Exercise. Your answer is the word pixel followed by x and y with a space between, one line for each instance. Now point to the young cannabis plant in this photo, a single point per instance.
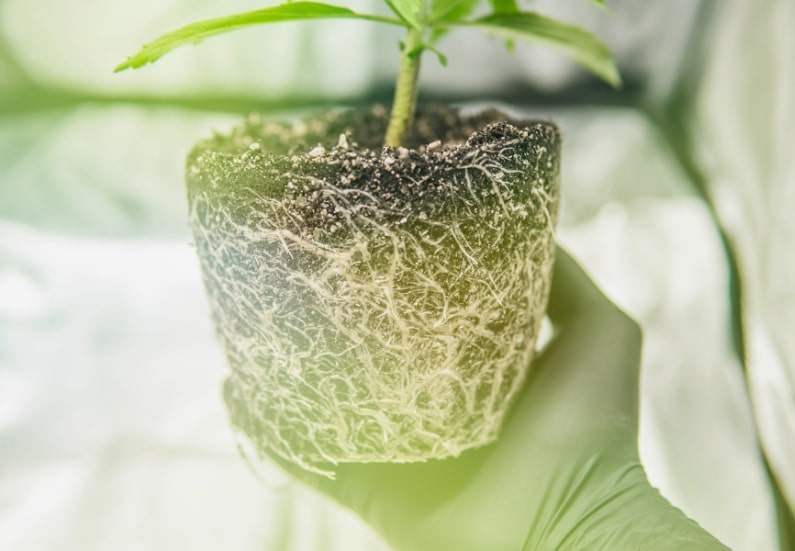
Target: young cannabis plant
pixel 424 21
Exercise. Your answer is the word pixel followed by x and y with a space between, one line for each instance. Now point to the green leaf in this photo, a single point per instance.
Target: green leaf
pixel 198 31
pixel 416 52
pixel 582 46
pixel 446 12
pixel 451 10
pixel 504 6
pixel 407 10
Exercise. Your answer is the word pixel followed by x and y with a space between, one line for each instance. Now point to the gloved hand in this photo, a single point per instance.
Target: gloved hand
pixel 565 473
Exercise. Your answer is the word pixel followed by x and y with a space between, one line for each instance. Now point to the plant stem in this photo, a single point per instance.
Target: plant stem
pixel 405 90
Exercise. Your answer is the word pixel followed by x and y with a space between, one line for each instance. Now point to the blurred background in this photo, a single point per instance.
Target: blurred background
pixel 678 193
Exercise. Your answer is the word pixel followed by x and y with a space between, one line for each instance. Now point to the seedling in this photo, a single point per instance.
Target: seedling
pixel 379 303
pixel 425 23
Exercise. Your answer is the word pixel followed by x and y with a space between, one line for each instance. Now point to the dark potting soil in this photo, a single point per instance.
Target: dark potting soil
pixel 293 161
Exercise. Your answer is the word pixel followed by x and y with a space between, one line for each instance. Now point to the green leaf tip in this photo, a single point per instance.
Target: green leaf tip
pixel 200 30
pixel 579 44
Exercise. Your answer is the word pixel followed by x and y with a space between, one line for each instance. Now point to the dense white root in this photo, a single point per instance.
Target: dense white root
pixel 386 328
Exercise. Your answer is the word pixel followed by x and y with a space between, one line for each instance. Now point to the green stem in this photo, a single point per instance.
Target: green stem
pixel 405 90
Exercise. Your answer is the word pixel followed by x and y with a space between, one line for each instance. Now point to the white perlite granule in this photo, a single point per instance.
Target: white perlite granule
pixel 371 310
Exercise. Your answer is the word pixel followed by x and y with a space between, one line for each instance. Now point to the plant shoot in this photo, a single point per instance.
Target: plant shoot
pixel 425 22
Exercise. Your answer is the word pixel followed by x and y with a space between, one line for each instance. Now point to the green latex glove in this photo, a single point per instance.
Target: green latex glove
pixel 565 473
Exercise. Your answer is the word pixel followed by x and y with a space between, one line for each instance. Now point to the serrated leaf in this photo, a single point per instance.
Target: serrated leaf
pixel 581 45
pixel 200 30
pixel 407 10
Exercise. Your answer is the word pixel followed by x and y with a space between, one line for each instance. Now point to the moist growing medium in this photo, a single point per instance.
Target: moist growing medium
pixel 375 304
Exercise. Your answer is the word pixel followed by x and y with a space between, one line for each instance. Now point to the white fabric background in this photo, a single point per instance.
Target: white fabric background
pixel 112 431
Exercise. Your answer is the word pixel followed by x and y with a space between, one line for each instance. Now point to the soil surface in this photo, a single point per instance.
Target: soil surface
pixel 293 161
pixel 364 130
